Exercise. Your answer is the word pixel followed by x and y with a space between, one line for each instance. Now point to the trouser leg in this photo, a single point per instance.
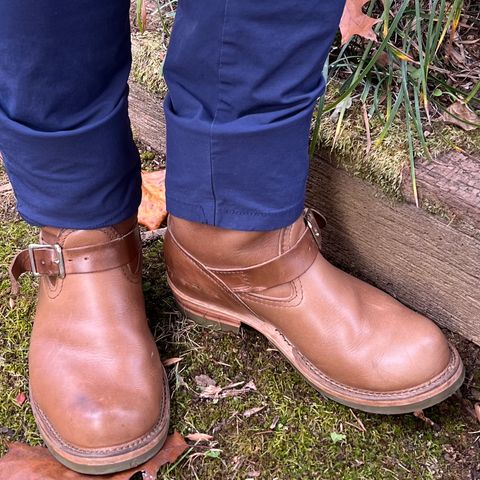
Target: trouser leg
pixel 64 129
pixel 243 77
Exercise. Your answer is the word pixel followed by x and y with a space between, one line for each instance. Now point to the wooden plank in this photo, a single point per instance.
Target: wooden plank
pixel 426 263
pixel 147 118
pixel 450 181
pixel 417 257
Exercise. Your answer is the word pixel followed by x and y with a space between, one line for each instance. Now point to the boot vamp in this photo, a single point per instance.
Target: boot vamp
pixel 95 371
pixel 353 332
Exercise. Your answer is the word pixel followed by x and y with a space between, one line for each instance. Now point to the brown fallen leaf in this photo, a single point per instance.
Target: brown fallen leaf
pixel 23 462
pixel 168 362
pixel 235 392
pixel 355 22
pixel 464 115
pixel 174 446
pixel 477 411
pixel 203 381
pixel 210 389
pixel 199 437
pixel 20 399
pixel 152 211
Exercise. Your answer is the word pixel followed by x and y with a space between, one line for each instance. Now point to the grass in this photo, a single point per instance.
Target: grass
pixel 290 438
pixel 412 72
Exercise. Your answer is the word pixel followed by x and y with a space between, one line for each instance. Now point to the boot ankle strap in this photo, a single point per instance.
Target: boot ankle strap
pixel 282 269
pixel 55 261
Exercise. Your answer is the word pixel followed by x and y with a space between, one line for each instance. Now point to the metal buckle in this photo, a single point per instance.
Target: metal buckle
pixel 58 261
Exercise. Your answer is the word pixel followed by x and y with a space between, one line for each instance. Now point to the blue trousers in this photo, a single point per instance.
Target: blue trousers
pixel 243 77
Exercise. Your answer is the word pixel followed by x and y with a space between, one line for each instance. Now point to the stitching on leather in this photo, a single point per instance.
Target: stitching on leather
pixel 124 448
pixel 421 388
pixel 290 229
pixel 278 303
pixel 53 293
pixel 113 235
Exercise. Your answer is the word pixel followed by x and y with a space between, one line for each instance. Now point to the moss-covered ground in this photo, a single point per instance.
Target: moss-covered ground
pixel 297 435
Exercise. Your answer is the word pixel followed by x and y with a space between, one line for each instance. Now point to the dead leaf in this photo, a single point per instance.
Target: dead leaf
pixel 152 211
pixel 204 381
pixel 252 411
pixel 199 437
pixel 274 423
pixel 210 389
pixel 461 111
pixel 254 474
pixel 477 411
pixel 23 462
pixel 355 22
pixel 236 392
pixel 168 362
pixel 20 399
pixel 174 446
pixel 383 59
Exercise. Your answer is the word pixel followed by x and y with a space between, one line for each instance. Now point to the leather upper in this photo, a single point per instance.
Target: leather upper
pixel 351 331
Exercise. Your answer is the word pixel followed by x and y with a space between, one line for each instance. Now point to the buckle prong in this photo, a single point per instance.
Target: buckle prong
pixel 58 260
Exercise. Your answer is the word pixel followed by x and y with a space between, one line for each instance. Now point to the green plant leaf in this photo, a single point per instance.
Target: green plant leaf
pixel 337 437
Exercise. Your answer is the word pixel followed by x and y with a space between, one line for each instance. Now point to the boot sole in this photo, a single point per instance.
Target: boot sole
pixel 387 403
pixel 99 461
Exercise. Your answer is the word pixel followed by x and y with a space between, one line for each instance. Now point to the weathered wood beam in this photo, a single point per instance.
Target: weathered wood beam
pixel 451 182
pixel 147 118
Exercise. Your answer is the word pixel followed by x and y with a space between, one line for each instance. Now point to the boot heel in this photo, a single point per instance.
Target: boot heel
pixel 224 325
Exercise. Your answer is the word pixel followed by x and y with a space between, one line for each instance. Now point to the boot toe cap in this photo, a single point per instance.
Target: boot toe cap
pixel 413 360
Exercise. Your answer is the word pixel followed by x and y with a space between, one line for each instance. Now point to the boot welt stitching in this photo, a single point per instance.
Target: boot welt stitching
pixel 420 388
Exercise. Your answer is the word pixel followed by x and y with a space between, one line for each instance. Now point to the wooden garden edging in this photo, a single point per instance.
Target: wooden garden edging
pixel 426 262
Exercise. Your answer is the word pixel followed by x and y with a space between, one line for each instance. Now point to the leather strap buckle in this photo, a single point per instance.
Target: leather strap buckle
pixel 59 260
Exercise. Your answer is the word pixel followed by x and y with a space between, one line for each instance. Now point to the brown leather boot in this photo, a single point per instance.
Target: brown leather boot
pixel 352 342
pixel 97 387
